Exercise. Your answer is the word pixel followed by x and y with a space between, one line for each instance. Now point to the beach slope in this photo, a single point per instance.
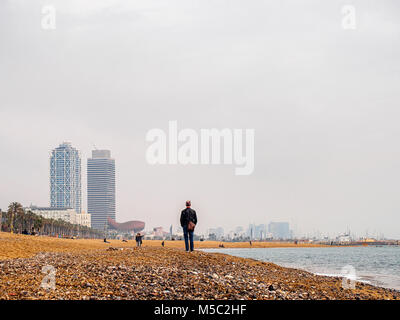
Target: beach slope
pixel 167 273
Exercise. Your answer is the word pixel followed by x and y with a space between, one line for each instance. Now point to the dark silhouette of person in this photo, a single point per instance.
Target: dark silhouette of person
pixel 162 243
pixel 188 221
pixel 139 239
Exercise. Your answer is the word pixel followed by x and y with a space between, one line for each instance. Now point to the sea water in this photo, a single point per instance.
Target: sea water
pixel 376 265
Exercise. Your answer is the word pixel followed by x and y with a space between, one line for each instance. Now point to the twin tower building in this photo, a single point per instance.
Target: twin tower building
pixel 65 183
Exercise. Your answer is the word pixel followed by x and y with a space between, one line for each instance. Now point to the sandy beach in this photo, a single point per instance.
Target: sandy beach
pixel 22 246
pixel 91 269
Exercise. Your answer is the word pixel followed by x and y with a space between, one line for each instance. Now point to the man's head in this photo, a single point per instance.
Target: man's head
pixel 188 203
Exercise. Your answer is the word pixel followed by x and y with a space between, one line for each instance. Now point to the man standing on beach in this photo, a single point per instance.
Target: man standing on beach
pixel 188 222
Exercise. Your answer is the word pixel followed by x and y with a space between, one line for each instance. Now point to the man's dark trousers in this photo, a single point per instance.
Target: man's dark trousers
pixel 188 235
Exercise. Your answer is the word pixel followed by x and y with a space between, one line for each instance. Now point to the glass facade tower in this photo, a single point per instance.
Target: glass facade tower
pixel 65 178
pixel 101 188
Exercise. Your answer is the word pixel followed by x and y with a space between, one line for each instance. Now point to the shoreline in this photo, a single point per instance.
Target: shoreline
pixel 371 278
pixel 170 273
pixel 24 246
pixel 114 272
pixel 92 269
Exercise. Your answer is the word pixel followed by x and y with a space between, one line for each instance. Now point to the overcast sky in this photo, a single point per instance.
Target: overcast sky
pixel 323 101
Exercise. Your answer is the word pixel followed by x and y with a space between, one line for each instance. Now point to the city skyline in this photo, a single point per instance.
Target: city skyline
pixel 322 100
pixel 296 231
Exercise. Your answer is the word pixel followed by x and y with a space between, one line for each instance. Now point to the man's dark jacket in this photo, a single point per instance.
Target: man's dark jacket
pixel 187 215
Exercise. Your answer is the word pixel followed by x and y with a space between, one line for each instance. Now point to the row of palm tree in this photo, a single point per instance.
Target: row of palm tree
pixel 17 220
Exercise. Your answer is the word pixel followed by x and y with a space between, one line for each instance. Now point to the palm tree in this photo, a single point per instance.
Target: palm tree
pixel 29 220
pixel 15 208
pixel 38 223
pixel 17 219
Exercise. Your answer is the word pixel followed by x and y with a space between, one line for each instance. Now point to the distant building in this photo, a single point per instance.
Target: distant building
pixel 66 214
pixel 216 233
pixel 159 232
pixel 101 188
pixel 65 178
pixel 179 231
pixel 279 230
pixel 250 231
pixel 239 230
pixel 257 232
pixel 260 232
pixel 345 237
pixel 84 219
pixel 125 227
pixel 368 240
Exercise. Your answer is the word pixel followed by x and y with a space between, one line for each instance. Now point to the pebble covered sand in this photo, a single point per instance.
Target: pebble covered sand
pixel 168 273
pixel 23 246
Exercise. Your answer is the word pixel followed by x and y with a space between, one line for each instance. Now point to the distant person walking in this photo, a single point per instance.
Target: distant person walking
pixel 138 239
pixel 188 223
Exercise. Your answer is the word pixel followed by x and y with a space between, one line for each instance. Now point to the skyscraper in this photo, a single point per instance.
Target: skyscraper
pixel 65 178
pixel 279 230
pixel 101 187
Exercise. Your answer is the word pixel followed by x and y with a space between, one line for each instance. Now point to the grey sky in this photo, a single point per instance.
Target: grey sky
pixel 324 103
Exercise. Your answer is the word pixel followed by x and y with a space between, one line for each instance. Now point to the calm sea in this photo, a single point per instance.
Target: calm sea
pixel 379 266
